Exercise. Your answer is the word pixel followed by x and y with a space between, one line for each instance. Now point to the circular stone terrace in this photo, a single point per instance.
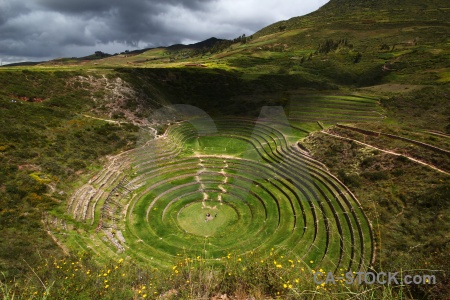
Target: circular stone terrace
pixel 245 187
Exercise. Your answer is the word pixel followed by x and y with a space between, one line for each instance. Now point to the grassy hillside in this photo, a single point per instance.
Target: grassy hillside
pixel 46 147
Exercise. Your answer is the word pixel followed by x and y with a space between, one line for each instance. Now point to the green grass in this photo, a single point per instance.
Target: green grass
pixel 50 139
pixel 157 228
pixel 260 204
pixel 192 218
pixel 331 109
pixel 216 145
pixel 48 149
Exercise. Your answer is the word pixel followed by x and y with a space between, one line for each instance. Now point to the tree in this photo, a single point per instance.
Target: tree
pixel 243 39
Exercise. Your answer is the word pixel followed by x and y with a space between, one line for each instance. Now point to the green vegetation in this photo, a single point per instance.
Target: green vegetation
pixel 332 109
pixel 79 277
pixel 193 219
pixel 211 145
pixel 405 200
pixel 44 147
pixel 92 205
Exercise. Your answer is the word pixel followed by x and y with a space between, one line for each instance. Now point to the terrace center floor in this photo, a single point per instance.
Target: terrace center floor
pixel 194 219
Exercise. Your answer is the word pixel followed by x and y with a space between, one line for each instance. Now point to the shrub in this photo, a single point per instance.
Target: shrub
pixel 352 180
pixel 376 175
pixel 368 161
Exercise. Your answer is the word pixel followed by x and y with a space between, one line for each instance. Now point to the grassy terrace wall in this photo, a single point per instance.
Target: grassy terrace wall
pixel 241 188
pixel 331 109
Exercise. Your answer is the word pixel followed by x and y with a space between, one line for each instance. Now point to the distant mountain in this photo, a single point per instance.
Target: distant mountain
pixel 25 63
pixel 203 44
pixel 206 44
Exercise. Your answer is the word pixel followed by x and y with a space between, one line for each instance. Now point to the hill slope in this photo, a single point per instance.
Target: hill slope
pixel 347 13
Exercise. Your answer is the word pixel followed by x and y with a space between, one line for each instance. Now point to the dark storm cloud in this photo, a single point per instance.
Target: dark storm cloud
pixel 44 29
pixel 82 6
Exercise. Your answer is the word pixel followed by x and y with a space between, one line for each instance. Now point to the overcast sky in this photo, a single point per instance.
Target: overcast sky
pixel 36 30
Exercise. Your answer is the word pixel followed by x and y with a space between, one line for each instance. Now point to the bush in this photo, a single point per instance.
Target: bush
pixel 368 161
pixel 351 180
pixel 376 175
pixel 402 159
pixel 77 164
pixel 242 277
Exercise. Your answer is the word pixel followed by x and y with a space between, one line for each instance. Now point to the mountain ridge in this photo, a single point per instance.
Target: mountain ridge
pixel 368 11
pixel 208 43
pixel 345 14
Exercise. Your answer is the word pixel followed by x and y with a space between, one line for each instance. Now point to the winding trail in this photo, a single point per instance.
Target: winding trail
pixel 153 130
pixel 106 120
pixel 386 151
pixel 438 133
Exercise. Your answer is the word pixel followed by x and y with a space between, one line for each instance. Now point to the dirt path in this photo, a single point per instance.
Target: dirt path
pixel 106 120
pixel 153 130
pixel 60 245
pixel 386 151
pixel 439 133
pixel 397 137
